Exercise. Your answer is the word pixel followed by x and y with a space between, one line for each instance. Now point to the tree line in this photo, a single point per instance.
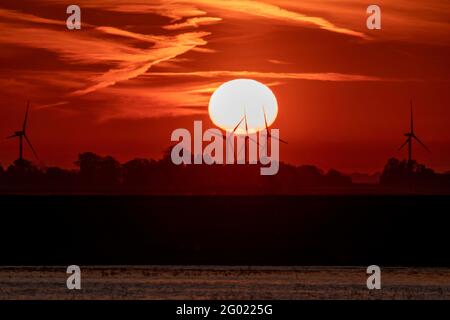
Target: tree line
pixel 104 174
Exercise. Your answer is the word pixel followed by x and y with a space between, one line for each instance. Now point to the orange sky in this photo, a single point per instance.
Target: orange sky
pixel 139 69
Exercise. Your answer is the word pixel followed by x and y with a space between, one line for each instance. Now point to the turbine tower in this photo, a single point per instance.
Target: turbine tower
pixel 246 144
pixel 410 137
pixel 244 147
pixel 22 135
pixel 269 135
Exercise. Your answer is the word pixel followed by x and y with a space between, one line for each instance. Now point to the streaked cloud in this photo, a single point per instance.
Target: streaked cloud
pixel 413 21
pixel 248 9
pixel 253 8
pixel 187 98
pixel 20 16
pixel 276 61
pixel 126 61
pixel 175 10
pixel 323 76
pixel 402 20
pixel 167 49
pixel 193 23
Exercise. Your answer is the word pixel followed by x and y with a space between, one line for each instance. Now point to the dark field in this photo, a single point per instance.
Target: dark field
pixel 223 283
pixel 225 230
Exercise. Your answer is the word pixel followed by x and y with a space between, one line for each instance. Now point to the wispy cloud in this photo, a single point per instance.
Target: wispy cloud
pixel 168 48
pixel 175 10
pixel 275 61
pixel 179 9
pixel 20 16
pixel 193 23
pixel 324 76
pixel 412 21
pixel 126 61
pixel 271 11
pixel 402 20
pixel 188 98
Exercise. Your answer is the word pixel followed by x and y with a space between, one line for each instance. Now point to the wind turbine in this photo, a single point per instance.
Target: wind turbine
pixel 243 119
pixel 22 135
pixel 269 135
pixel 410 137
pixel 246 143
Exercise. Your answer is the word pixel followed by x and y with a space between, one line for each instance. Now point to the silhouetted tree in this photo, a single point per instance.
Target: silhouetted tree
pixel 309 175
pixel 61 178
pixel 394 172
pixel 423 171
pixel 335 178
pixel 98 171
pixel 105 174
pixel 138 172
pixel 409 173
pixel 23 173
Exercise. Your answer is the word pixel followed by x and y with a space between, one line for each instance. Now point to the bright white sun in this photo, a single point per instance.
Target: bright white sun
pixel 238 99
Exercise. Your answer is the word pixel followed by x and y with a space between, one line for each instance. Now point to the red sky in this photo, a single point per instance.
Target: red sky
pixel 139 69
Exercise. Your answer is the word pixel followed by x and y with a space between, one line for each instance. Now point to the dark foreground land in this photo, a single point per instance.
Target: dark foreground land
pixel 225 230
pixel 222 282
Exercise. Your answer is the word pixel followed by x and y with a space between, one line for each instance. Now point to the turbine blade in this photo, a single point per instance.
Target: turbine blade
pixel 267 128
pixel 423 145
pixel 237 126
pixel 281 140
pixel 404 144
pixel 11 136
pixel 265 119
pixel 26 117
pixel 31 147
pixel 245 116
pixel 412 119
pixel 224 138
pixel 242 147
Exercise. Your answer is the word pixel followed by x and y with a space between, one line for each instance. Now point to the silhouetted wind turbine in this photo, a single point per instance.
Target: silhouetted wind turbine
pixel 267 128
pixel 22 135
pixel 410 136
pixel 246 143
pixel 243 119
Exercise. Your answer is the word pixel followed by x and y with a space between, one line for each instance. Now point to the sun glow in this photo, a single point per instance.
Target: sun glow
pixel 242 102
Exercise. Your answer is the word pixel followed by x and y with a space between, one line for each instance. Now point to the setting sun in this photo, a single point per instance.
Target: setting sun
pixel 243 99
